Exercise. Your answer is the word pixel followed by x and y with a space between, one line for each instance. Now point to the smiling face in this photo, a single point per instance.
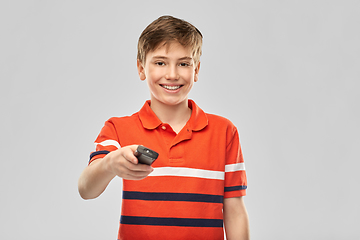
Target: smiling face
pixel 170 72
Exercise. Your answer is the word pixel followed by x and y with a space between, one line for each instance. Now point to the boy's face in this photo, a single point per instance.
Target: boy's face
pixel 170 71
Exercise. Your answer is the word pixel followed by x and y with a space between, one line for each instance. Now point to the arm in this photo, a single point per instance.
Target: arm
pixel 122 162
pixel 236 219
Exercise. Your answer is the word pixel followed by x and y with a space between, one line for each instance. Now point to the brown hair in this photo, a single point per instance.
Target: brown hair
pixel 166 29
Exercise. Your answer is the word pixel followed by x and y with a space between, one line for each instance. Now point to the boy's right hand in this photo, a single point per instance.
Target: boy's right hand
pixel 123 163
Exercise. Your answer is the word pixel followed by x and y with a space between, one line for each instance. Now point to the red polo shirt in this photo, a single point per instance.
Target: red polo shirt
pixel 196 169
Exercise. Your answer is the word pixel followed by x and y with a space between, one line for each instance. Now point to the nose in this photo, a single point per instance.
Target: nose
pixel 172 73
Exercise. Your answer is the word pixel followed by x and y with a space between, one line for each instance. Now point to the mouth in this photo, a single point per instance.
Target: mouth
pixel 171 87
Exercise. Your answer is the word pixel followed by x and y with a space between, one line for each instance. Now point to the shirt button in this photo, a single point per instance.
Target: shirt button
pixel 163 127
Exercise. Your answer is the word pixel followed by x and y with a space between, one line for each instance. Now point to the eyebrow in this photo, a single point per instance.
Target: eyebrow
pixel 181 59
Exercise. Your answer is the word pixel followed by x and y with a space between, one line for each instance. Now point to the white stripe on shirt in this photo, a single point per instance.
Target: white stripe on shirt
pixel 109 143
pixel 187 172
pixel 234 167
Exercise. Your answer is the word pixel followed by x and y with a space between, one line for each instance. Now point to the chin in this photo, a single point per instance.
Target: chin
pixel 171 102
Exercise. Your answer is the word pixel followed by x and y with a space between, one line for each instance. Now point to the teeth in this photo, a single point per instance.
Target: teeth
pixel 171 87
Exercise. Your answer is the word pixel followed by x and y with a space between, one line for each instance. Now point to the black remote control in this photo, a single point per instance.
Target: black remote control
pixel 146 155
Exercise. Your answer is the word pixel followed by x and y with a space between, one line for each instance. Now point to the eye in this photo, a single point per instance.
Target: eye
pixel 160 63
pixel 184 64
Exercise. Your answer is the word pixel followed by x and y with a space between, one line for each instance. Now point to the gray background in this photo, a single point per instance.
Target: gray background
pixel 285 72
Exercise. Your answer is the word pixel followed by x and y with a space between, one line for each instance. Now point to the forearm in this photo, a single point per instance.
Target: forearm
pixel 122 162
pixel 94 179
pixel 236 220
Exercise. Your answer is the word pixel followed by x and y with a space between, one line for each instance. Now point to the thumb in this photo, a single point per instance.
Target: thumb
pixel 132 157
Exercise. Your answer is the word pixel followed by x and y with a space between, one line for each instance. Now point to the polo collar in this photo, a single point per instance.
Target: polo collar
pixel 148 118
pixel 198 119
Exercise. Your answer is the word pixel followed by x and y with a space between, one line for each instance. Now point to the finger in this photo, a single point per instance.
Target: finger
pixel 138 167
pixel 129 154
pixel 132 177
pixel 135 172
pixel 141 173
pixel 133 147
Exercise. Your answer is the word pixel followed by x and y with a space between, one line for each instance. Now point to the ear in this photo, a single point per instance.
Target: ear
pixel 197 69
pixel 141 70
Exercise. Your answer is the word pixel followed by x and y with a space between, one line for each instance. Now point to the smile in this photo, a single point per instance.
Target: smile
pixel 171 87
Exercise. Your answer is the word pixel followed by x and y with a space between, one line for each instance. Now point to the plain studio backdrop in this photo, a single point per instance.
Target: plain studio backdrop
pixel 286 73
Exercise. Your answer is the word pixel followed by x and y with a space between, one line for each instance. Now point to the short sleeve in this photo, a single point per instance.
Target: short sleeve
pixel 235 175
pixel 106 142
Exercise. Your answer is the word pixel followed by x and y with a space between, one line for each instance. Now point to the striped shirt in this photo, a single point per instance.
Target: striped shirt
pixel 196 169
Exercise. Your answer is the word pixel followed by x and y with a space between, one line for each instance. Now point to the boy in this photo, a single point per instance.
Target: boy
pixel 197 183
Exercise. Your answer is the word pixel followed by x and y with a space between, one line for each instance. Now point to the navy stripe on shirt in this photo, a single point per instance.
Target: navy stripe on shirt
pixel 179 222
pixel 98 153
pixel 235 188
pixel 182 197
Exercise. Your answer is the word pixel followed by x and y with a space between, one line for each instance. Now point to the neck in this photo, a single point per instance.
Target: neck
pixel 174 115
